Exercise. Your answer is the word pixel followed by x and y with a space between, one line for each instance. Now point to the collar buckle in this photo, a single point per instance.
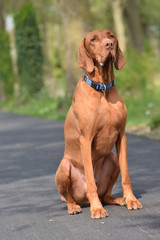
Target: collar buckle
pixel 104 87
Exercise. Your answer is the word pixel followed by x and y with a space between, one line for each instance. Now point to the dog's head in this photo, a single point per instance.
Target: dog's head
pixel 100 46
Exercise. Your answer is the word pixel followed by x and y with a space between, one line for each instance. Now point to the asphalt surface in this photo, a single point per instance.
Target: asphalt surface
pixel 30 151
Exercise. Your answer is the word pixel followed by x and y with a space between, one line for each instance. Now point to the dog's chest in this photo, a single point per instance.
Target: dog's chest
pixel 112 115
pixel 110 122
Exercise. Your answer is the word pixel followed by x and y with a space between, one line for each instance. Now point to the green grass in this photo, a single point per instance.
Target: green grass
pixel 43 107
pixel 142 109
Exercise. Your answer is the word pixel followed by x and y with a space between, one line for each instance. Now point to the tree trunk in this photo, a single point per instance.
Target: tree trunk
pixel 2 21
pixel 134 24
pixel 2 27
pixel 75 23
pixel 119 23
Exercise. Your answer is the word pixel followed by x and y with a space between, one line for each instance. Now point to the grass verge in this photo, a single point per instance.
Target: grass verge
pixel 143 110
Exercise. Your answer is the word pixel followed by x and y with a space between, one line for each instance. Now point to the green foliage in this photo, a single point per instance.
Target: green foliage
pixel 136 85
pixel 133 78
pixel 42 107
pixel 155 119
pixel 6 70
pixel 155 114
pixel 63 26
pixel 101 14
pixel 149 11
pixel 58 71
pixel 30 58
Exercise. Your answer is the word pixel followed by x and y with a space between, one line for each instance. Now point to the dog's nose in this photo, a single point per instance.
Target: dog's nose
pixel 108 44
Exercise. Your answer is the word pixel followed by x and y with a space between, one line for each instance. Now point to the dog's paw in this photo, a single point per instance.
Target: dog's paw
pixel 120 201
pixel 133 204
pixel 111 200
pixel 74 209
pixel 99 213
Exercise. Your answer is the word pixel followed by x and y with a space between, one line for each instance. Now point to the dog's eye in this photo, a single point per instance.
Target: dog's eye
pixel 93 39
pixel 111 36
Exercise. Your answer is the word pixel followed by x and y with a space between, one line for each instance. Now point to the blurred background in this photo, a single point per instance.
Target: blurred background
pixel 39 43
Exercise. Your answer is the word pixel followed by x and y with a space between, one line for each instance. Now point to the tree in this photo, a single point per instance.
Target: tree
pixel 6 69
pixel 29 52
pixel 76 21
pixel 119 23
pixel 2 21
pixel 134 24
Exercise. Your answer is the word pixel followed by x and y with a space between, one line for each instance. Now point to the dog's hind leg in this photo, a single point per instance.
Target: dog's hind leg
pixel 108 198
pixel 64 186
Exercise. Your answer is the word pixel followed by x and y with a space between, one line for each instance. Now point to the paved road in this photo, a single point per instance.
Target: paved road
pixel 30 151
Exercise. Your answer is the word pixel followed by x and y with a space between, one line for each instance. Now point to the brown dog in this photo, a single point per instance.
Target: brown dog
pixel 94 124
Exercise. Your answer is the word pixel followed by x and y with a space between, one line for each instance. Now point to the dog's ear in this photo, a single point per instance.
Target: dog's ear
pixel 85 61
pixel 120 61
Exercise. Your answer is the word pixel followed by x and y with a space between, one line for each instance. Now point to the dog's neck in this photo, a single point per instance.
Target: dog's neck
pixel 103 74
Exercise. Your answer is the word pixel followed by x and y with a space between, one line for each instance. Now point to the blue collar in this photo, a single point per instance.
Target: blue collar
pixel 98 86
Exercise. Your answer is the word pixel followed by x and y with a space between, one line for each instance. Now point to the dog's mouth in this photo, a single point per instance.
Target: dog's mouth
pixel 101 64
pixel 109 57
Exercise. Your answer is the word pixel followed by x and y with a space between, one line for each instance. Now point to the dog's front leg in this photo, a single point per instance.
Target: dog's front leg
pixel 97 211
pixel 130 199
